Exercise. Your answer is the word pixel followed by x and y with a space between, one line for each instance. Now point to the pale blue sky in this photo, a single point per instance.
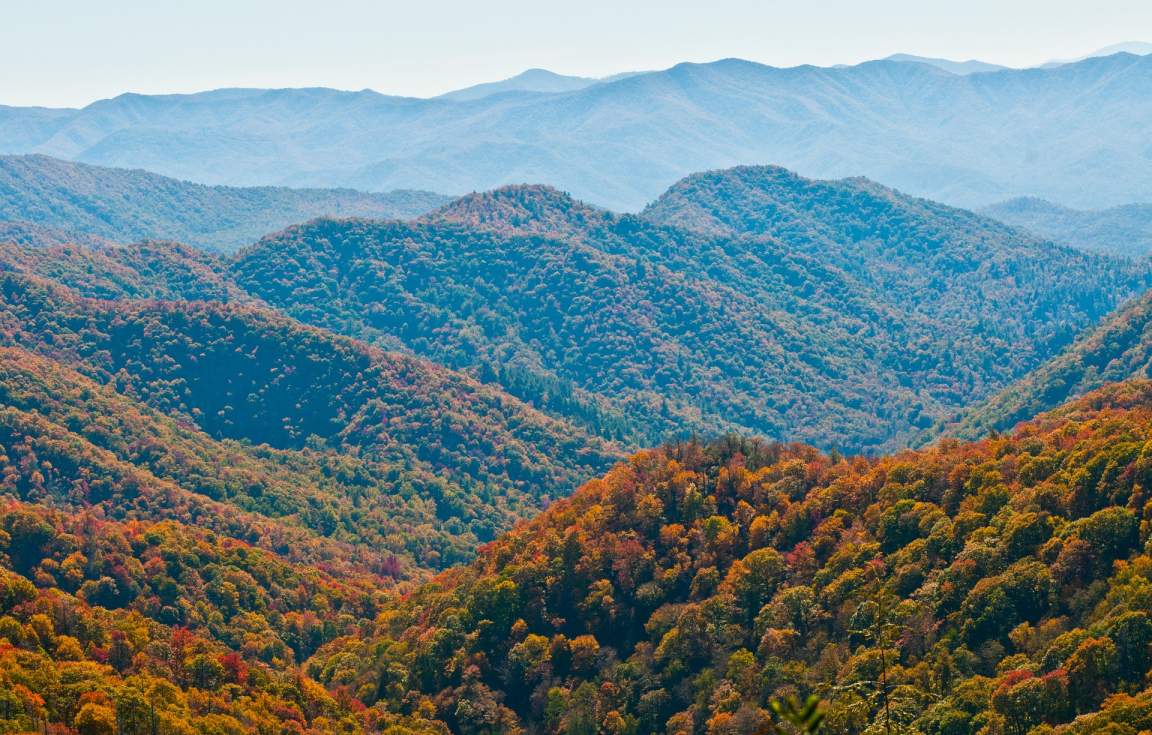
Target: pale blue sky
pixel 56 53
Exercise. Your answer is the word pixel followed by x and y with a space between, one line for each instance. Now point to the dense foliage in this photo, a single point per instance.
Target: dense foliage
pixel 955 268
pixel 30 235
pixel 217 520
pixel 140 628
pixel 127 205
pixel 866 319
pixel 464 454
pixel 75 444
pixel 1118 349
pixel 992 588
pixel 145 270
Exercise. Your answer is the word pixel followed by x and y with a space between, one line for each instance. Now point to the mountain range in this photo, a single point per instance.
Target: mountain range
pixel 1124 230
pixel 1074 134
pixel 377 477
pixel 866 316
pixel 614 322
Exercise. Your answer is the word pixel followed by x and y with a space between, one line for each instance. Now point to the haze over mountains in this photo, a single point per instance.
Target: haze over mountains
pixel 1075 134
pixel 1125 230
pixel 125 206
pixel 971 66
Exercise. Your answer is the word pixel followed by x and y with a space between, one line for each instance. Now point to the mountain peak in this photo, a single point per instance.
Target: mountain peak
pixel 705 201
pixel 521 209
pixel 530 80
pixel 1135 48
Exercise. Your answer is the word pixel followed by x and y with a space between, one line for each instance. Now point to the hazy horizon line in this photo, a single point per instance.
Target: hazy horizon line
pixel 1102 52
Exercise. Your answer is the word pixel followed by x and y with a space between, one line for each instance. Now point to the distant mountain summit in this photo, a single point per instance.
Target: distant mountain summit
pixel 972 66
pixel 532 80
pixel 1137 48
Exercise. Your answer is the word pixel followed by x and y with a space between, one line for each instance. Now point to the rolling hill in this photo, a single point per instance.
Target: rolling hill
pixel 129 205
pixel 1074 134
pixel 1124 231
pixel 859 321
pixel 1000 584
pixel 465 459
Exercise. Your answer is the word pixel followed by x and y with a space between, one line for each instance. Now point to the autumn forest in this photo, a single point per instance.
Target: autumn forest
pixel 773 454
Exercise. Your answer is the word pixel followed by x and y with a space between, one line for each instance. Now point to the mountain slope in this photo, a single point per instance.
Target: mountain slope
pixel 1075 134
pixel 1123 231
pixel 125 206
pixel 912 252
pixel 242 373
pixel 103 452
pixel 638 330
pixel 29 235
pixel 145 270
pixel 1119 349
pixel 161 627
pixel 996 585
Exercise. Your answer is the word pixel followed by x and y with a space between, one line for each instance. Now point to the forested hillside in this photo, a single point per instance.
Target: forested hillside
pixel 988 587
pixel 991 587
pixel 950 265
pixel 858 323
pixel 242 373
pixel 219 516
pixel 128 205
pixel 840 313
pixel 145 270
pixel 1119 349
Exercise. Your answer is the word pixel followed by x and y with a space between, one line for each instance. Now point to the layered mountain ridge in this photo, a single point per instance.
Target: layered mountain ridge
pixel 1073 134
pixel 226 481
pixel 1124 230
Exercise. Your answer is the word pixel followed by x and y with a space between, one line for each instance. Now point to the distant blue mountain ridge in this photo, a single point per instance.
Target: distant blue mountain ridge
pixel 1079 134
